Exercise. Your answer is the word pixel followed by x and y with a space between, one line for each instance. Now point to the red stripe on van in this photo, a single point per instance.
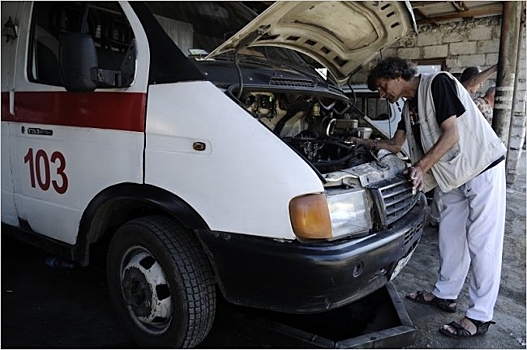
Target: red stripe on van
pixel 5 106
pixel 102 110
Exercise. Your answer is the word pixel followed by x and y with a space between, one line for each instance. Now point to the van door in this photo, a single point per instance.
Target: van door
pixel 68 147
pixel 10 21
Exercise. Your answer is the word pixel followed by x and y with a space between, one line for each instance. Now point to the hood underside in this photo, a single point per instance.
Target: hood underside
pixel 340 35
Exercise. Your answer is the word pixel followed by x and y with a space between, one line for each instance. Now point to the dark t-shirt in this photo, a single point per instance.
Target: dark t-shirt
pixel 446 102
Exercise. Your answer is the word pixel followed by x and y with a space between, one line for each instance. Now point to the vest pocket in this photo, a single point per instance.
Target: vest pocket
pixel 451 155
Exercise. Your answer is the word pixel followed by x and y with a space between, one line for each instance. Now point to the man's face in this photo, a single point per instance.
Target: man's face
pixel 389 89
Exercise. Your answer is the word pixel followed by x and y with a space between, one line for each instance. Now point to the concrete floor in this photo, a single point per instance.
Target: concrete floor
pixel 509 314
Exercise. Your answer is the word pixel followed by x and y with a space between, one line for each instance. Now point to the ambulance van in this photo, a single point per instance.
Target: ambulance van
pixel 199 146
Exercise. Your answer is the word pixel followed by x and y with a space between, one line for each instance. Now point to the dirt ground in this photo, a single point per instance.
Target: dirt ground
pixel 49 308
pixel 509 313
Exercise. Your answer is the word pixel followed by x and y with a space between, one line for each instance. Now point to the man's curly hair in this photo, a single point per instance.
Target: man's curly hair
pixel 391 68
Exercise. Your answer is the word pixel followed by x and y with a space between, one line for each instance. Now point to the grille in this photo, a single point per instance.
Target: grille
pixel 292 82
pixel 409 235
pixel 393 200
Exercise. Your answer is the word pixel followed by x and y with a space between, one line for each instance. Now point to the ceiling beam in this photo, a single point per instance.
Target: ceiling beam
pixel 484 11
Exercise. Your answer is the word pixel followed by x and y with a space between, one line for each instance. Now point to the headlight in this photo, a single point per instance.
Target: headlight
pixel 349 212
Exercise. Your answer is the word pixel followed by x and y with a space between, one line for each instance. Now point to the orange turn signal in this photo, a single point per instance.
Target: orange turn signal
pixel 310 217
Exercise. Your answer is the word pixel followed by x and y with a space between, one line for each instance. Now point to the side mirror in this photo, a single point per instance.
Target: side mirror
pixel 78 62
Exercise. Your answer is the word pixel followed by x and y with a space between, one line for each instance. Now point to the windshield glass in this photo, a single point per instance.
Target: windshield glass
pixel 198 27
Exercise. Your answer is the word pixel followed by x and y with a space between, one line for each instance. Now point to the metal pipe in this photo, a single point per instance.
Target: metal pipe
pixel 506 76
pixel 517 127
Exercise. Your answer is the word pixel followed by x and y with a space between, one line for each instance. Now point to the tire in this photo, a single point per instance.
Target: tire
pixel 160 283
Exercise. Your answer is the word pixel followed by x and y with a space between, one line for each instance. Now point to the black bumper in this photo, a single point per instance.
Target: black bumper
pixel 289 276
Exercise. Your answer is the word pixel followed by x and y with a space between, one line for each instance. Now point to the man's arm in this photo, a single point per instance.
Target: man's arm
pixel 394 145
pixel 449 137
pixel 481 76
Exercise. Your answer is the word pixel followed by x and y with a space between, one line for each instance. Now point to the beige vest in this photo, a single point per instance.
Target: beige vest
pixel 478 144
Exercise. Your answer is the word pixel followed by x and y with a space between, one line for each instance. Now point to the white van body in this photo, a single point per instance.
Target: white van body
pixel 197 168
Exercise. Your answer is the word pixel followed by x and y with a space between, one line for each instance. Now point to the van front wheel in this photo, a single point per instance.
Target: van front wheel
pixel 160 283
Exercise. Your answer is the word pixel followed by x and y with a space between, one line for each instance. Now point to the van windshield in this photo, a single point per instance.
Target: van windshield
pixel 198 27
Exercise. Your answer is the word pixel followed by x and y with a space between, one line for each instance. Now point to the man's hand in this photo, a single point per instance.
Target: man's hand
pixel 416 177
pixel 353 139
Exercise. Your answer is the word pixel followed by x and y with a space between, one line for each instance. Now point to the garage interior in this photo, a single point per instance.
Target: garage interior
pixel 453 35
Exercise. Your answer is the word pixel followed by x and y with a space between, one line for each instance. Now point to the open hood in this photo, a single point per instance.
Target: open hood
pixel 341 35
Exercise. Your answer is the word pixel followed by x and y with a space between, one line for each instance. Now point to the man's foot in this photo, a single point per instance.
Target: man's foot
pixel 466 328
pixel 427 298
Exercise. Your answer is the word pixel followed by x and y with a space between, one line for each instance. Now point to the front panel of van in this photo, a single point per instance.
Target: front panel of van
pixel 210 152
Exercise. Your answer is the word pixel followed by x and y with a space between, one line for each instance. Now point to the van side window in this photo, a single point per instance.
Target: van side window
pixel 104 21
pixel 377 108
pixel 374 107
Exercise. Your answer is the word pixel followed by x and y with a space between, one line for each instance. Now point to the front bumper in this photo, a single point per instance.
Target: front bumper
pixel 294 277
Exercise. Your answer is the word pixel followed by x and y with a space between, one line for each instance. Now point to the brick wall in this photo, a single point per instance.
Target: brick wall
pixel 460 45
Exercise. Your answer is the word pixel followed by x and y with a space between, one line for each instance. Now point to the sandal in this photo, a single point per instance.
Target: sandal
pixel 448 305
pixel 462 332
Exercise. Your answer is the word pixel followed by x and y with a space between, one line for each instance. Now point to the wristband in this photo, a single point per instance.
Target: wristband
pixel 374 145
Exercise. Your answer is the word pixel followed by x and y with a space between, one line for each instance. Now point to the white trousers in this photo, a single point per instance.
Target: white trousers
pixel 472 224
pixel 436 203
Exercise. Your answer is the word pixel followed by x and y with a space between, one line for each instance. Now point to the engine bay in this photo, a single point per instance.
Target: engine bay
pixel 317 127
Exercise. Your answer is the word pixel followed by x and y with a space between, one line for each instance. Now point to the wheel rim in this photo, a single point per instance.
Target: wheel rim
pixel 146 290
